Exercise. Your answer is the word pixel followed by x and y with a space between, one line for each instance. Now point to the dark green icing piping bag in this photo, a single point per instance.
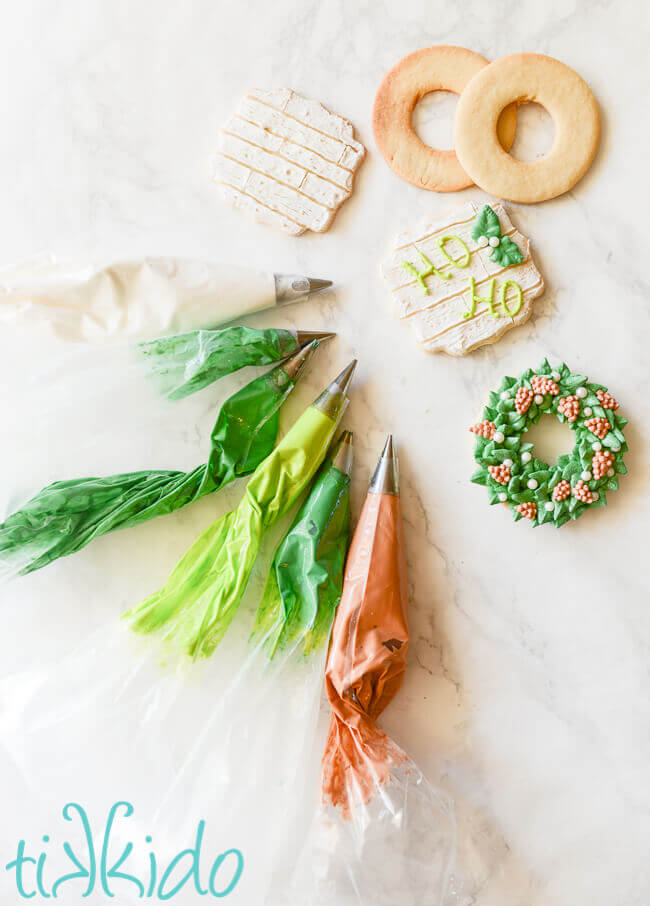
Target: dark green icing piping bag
pixel 305 581
pixel 188 362
pixel 65 516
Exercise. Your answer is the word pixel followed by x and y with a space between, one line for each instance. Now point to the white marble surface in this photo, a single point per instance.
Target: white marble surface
pixel 527 693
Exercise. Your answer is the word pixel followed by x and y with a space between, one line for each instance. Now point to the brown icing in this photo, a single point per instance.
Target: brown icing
pixel 367 656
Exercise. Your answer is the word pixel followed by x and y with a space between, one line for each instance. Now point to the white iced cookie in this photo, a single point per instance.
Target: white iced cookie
pixel 455 286
pixel 287 161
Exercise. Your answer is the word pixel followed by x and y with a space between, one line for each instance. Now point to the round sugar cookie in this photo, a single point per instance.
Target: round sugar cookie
pixel 520 78
pixel 431 69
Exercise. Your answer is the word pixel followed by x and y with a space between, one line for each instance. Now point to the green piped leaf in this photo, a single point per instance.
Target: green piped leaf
pixel 486 224
pixel 506 253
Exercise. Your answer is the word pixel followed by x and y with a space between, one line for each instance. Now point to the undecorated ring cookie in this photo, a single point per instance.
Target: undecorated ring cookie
pixel 521 78
pixel 531 488
pixel 431 69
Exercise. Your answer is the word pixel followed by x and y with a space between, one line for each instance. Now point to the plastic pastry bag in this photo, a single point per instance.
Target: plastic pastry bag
pixel 67 514
pixel 305 581
pixel 141 298
pixel 381 834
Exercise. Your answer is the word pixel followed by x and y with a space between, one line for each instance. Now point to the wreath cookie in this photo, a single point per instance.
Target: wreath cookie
pixel 530 487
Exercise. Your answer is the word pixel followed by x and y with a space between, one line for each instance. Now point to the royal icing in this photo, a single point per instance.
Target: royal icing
pixel 579 480
pixel 450 287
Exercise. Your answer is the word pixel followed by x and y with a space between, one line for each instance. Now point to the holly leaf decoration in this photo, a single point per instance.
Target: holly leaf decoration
pixel 506 253
pixel 486 224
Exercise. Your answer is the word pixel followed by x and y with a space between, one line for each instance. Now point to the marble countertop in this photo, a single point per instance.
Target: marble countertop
pixel 527 690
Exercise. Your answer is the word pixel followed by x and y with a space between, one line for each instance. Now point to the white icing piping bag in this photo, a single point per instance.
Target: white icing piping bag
pixel 142 298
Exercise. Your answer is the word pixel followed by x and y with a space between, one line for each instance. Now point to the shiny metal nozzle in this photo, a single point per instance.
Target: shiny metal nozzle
pixel 333 400
pixel 295 364
pixel 386 477
pixel 342 455
pixel 304 337
pixel 293 287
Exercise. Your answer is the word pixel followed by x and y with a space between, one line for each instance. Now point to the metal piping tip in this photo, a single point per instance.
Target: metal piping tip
pixel 306 336
pixel 386 477
pixel 343 453
pixel 344 379
pixel 292 287
pixel 294 366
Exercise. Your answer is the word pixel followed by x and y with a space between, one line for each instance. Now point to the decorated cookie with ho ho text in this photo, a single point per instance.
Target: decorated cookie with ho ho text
pixel 462 281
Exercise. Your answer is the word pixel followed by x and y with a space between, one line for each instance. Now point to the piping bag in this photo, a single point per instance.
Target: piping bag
pixel 66 515
pixel 140 298
pixel 382 834
pixel 199 599
pixel 305 581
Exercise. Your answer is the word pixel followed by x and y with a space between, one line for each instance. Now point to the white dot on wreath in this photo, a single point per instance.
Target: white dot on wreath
pixel 505 395
pixel 482 241
pixel 548 506
pixel 499 437
pixel 508 463
pixel 581 392
pixel 587 411
pixel 597 447
pixel 594 496
pixel 503 497
pixel 526 457
pixel 494 242
pixel 610 473
pixel 539 399
pixel 615 449
pixel 556 376
pixel 586 475
pixel 532 484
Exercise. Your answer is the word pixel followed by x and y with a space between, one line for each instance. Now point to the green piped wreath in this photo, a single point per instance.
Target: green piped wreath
pixel 531 488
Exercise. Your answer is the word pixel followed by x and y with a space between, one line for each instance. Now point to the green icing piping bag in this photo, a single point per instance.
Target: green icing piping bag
pixel 188 362
pixel 305 581
pixel 67 515
pixel 199 599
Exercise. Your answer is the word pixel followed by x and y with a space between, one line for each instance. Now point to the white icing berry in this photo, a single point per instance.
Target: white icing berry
pixel 504 395
pixel 503 497
pixel 581 392
pixel 594 496
pixel 610 473
pixel 556 376
pixel 499 437
pixel 586 475
pixel 482 241
pixel 532 484
pixel 494 241
pixel 549 506
pixel 526 457
pixel 508 463
pixel 587 411
pixel 539 399
pixel 615 449
pixel 597 447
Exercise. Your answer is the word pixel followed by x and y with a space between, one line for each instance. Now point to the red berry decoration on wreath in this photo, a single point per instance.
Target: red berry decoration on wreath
pixel 581 479
pixel 582 493
pixel 484 429
pixel 598 426
pixel 569 406
pixel 523 399
pixel 527 510
pixel 562 490
pixel 602 463
pixel 544 385
pixel 605 400
pixel 501 474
